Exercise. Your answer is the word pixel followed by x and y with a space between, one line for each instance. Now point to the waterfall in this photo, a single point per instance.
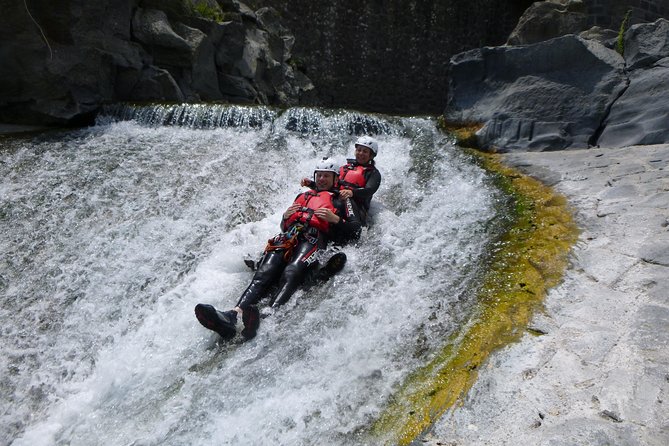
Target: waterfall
pixel 112 234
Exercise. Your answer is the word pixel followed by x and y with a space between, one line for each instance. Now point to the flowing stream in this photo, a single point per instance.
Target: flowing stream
pixel 110 236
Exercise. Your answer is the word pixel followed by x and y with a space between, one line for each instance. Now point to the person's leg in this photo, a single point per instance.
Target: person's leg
pixel 224 322
pixel 304 256
pixel 268 272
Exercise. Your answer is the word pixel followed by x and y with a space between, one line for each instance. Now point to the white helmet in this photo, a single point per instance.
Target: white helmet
pixel 368 142
pixel 327 165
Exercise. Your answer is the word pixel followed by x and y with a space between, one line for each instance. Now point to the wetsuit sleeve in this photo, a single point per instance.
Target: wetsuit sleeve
pixel 363 194
pixel 349 226
pixel 311 185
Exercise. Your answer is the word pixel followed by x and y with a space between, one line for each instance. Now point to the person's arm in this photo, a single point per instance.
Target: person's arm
pixel 306 182
pixel 349 225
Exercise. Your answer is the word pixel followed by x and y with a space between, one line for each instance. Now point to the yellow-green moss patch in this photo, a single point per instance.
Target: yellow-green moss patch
pixel 530 259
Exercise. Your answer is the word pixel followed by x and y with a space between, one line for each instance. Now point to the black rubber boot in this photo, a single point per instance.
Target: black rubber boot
pixel 333 266
pixel 221 323
pixel 251 320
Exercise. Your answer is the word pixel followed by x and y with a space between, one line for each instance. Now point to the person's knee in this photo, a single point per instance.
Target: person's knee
pixel 293 271
pixel 269 269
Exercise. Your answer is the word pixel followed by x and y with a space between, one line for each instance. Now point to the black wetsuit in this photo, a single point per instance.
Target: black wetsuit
pixel 290 272
pixel 362 195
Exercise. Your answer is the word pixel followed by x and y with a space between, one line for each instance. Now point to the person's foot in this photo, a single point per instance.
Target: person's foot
pixel 251 320
pixel 333 266
pixel 222 323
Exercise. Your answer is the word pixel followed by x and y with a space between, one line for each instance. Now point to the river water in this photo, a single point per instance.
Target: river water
pixel 110 236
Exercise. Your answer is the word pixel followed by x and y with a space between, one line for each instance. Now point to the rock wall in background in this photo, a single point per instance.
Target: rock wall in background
pixel 390 56
pixel 610 13
pixel 62 60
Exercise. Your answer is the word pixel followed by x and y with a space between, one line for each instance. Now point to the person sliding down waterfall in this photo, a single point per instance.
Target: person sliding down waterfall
pixel 358 178
pixel 315 218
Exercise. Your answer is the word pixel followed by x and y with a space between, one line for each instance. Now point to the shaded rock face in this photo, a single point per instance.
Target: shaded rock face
pixel 550 95
pixel 549 19
pixel 62 60
pixel 389 56
pixel 66 76
pixel 641 114
pixel 565 93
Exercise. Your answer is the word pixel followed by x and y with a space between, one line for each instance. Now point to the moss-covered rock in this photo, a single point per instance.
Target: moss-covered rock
pixel 527 262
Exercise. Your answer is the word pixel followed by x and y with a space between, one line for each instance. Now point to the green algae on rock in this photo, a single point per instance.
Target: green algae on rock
pixel 529 260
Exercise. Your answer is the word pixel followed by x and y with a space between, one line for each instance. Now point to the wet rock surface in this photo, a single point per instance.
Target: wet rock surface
pixel 598 375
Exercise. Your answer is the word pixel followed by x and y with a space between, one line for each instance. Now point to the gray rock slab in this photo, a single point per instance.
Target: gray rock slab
pixel 656 251
pixel 641 114
pixel 599 375
pixel 567 92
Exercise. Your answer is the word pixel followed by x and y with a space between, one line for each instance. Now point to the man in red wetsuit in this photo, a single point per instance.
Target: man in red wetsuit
pixel 315 218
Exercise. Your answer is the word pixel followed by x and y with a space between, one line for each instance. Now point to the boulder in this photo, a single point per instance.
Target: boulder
pixel 547 96
pixel 156 84
pixel 167 46
pixel 641 114
pixel 646 43
pixel 549 19
pixel 238 89
pixel 606 37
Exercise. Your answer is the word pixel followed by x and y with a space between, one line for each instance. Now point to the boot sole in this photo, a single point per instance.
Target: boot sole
pixel 334 265
pixel 208 318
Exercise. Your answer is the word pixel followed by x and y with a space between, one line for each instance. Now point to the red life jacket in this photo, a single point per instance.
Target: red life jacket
pixel 310 201
pixel 353 175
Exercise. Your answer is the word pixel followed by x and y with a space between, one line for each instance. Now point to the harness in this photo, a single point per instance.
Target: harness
pixel 286 241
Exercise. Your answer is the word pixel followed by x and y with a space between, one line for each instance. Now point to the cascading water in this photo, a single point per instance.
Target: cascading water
pixel 111 235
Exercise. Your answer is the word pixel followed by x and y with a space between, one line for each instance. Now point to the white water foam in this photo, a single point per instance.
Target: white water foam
pixel 113 234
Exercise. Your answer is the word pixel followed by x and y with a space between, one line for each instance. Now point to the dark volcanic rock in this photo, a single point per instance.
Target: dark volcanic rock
pixel 641 115
pixel 549 19
pixel 547 96
pixel 566 92
pixel 61 61
pixel 646 43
